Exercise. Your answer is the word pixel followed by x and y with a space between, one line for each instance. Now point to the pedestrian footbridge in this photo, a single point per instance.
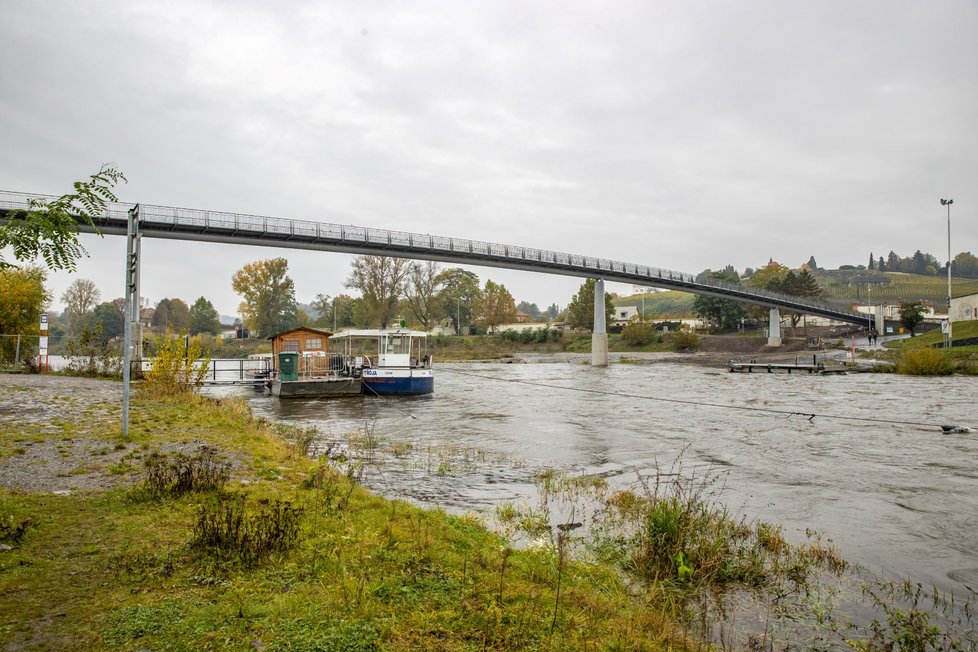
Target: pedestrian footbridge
pixel 236 228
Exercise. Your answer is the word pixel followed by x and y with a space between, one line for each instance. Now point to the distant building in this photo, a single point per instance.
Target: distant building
pixel 230 327
pixel 965 307
pixel 623 314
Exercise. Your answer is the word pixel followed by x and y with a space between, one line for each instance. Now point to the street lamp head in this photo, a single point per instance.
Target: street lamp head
pixel 947 202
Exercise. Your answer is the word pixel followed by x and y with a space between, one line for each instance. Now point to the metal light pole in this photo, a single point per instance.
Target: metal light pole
pixel 869 317
pixel 948 202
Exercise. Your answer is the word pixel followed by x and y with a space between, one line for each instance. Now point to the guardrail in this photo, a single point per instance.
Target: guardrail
pixel 231 226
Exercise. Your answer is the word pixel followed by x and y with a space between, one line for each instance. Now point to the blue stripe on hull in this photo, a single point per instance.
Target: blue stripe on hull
pixel 402 386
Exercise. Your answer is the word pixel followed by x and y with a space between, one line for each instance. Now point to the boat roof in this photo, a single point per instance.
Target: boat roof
pixel 377 332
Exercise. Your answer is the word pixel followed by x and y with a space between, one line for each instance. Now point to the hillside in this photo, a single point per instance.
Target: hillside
pixel 843 288
pixel 661 305
pixel 847 287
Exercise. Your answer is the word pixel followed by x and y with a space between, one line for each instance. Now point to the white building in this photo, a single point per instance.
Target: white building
pixel 623 314
pixel 964 308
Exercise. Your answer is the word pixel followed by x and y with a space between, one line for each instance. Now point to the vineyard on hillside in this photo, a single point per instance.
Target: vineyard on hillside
pixel 842 288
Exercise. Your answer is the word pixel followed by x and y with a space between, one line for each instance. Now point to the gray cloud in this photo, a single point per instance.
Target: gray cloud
pixel 683 135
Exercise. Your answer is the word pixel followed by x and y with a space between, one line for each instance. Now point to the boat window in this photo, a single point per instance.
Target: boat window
pixel 398 344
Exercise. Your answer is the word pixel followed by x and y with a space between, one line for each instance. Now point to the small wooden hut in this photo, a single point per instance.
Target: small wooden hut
pixel 311 344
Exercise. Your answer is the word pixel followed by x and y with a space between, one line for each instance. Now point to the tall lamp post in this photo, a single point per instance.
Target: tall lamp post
pixel 948 202
pixel 869 317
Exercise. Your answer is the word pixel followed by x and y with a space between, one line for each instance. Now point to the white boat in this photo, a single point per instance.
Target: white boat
pixel 391 361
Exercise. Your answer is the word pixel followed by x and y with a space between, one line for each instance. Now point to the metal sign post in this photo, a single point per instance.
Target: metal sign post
pixel 132 311
pixel 42 344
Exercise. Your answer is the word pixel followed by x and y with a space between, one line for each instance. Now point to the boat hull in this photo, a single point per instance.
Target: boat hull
pixel 319 388
pixel 397 381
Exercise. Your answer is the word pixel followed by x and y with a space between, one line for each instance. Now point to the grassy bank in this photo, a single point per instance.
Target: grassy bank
pixel 284 553
pixel 217 531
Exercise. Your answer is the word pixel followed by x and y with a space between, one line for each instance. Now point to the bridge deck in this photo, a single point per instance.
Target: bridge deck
pixel 215 226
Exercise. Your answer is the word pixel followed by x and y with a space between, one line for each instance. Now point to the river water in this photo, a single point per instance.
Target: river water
pixel 891 492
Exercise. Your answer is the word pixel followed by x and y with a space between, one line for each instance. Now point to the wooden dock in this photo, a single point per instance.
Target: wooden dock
pixel 819 368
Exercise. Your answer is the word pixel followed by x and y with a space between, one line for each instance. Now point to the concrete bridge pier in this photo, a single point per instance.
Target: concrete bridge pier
pixel 599 334
pixel 774 327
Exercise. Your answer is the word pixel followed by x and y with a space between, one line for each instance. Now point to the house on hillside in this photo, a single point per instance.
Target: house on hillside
pixel 623 314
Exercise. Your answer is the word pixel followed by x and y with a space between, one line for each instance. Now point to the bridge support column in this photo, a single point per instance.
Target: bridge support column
pixel 774 327
pixel 599 334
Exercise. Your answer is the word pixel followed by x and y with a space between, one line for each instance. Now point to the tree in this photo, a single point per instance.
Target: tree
pixel 108 319
pixel 919 263
pixel 723 314
pixel 811 263
pixel 495 306
pixel 872 261
pixel 424 283
pixel 892 262
pixel 382 281
pixel 458 296
pixel 22 298
pixel 79 299
pixel 269 305
pixel 172 314
pixel 49 230
pixel 769 277
pixel 966 265
pixel 550 314
pixel 323 305
pixel 911 315
pixel 580 311
pixel 204 318
pixel 343 305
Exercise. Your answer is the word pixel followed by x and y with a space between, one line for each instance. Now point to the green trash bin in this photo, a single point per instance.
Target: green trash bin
pixel 288 366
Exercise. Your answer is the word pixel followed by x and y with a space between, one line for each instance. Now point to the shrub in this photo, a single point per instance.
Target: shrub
pixel 91 355
pixel 178 367
pixel 924 362
pixel 175 475
pixel 228 528
pixel 638 333
pixel 685 340
pixel 13 528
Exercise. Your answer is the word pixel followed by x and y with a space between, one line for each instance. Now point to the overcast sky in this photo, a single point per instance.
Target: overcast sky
pixel 682 135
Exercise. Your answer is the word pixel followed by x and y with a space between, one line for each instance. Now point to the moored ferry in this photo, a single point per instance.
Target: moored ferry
pixel 392 361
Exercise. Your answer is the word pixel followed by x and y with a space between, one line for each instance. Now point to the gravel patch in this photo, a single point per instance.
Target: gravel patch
pixel 58 436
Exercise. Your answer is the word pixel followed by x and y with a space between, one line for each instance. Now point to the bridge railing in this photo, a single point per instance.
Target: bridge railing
pixel 406 242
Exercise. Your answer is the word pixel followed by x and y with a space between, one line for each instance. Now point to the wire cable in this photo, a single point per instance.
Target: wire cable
pixel 745 408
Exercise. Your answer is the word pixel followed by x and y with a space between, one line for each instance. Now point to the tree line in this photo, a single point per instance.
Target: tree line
pixel 391 290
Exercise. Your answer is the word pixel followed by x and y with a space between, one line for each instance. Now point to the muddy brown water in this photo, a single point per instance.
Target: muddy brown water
pixel 895 495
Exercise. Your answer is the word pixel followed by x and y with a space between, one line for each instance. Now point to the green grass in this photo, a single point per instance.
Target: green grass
pixel 133 569
pixel 960 329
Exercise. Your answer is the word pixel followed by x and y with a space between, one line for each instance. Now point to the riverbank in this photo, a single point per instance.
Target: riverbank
pixel 92 557
pixel 209 529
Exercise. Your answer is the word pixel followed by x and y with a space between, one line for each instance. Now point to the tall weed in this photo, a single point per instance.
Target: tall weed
pixel 228 528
